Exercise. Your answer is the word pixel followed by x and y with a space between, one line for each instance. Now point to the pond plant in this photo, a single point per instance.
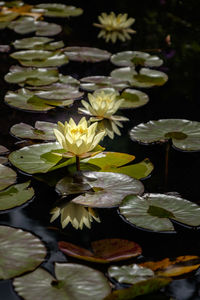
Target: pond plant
pixel 61 152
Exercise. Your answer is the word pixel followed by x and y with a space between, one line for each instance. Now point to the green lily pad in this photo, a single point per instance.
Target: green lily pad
pixel 11 3
pixel 41 131
pixel 40 58
pixel 25 99
pixel 42 43
pixel 135 58
pixel 57 10
pixel 185 134
pixel 31 76
pixel 71 281
pixel 26 25
pixel 155 211
pixel 133 99
pixel 7 177
pixel 8 17
pixel 103 251
pixel 20 252
pixel 107 189
pixel 15 195
pixel 87 54
pixel 93 83
pixel 146 78
pixel 130 274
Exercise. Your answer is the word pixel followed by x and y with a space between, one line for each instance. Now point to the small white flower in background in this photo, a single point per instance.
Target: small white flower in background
pixel 78 140
pixel 115 27
pixel 75 214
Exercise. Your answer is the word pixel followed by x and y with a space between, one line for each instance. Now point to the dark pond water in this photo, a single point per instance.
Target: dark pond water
pixel 178 98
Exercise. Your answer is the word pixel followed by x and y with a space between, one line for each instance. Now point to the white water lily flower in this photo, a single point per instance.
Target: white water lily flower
pixel 115 27
pixel 78 140
pixel 75 214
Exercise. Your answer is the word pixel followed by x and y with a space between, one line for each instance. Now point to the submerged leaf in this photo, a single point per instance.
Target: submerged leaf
pixel 7 177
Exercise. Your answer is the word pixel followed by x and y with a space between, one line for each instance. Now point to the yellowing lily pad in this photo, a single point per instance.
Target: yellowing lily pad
pixel 93 83
pixel 57 10
pixel 42 43
pixel 133 99
pixel 155 211
pixel 20 252
pixel 87 54
pixel 103 251
pixel 7 177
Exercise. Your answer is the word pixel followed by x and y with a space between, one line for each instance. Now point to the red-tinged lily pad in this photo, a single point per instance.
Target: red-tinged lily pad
pixel 88 54
pixel 3 150
pixel 103 251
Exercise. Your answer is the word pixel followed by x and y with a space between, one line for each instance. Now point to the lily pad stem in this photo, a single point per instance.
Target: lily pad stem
pixel 78 163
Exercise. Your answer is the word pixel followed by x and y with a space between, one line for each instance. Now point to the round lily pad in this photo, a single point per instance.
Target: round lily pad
pixel 107 189
pixel 155 211
pixel 88 54
pixel 57 10
pixel 185 134
pixel 59 91
pixel 103 251
pixel 15 195
pixel 7 176
pixel 146 78
pixel 3 150
pixel 71 281
pixel 20 252
pixel 135 58
pixel 35 42
pixel 41 131
pixel 133 99
pixel 93 83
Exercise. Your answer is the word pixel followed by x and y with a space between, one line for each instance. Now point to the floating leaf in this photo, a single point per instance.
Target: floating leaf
pixel 57 10
pixel 4 48
pixel 146 78
pixel 15 195
pixel 3 150
pixel 155 211
pixel 31 76
pixel 103 251
pixel 42 131
pixel 42 43
pixel 7 177
pixel 20 252
pixel 3 160
pixel 88 54
pixel 108 189
pixel 133 99
pixel 93 83
pixel 71 281
pixel 185 134
pixel 135 58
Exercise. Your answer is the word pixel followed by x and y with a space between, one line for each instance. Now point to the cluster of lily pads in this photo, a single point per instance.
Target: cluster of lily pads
pixel 94 178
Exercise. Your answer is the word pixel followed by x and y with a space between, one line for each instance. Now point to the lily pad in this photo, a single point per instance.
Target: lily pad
pixel 103 251
pixel 7 177
pixel 3 150
pixel 133 99
pixel 135 58
pixel 20 251
pixel 130 274
pixel 31 76
pixel 184 134
pixel 71 281
pixel 40 58
pixel 41 131
pixel 42 43
pixel 87 54
pixel 107 189
pixel 93 83
pixel 3 160
pixel 155 211
pixel 15 195
pixel 4 48
pixel 146 78
pixel 57 10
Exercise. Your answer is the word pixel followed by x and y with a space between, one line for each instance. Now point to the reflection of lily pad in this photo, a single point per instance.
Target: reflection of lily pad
pixel 103 251
pixel 154 211
pixel 133 99
pixel 43 43
pixel 15 195
pixel 20 252
pixel 93 83
pixel 107 189
pixel 7 177
pixel 57 10
pixel 42 131
pixel 32 76
pixel 87 54
pixel 146 78
pixel 135 58
pixel 185 134
pixel 71 281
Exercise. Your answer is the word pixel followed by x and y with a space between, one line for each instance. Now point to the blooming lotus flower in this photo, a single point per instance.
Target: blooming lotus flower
pixel 78 140
pixel 75 214
pixel 115 27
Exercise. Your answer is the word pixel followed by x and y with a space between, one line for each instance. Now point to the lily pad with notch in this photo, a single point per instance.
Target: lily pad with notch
pixel 57 10
pixel 133 99
pixel 86 54
pixel 39 43
pixel 7 177
pixel 93 83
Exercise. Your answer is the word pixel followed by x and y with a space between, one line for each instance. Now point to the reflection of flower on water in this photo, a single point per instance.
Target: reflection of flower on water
pixel 102 106
pixel 75 214
pixel 115 27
